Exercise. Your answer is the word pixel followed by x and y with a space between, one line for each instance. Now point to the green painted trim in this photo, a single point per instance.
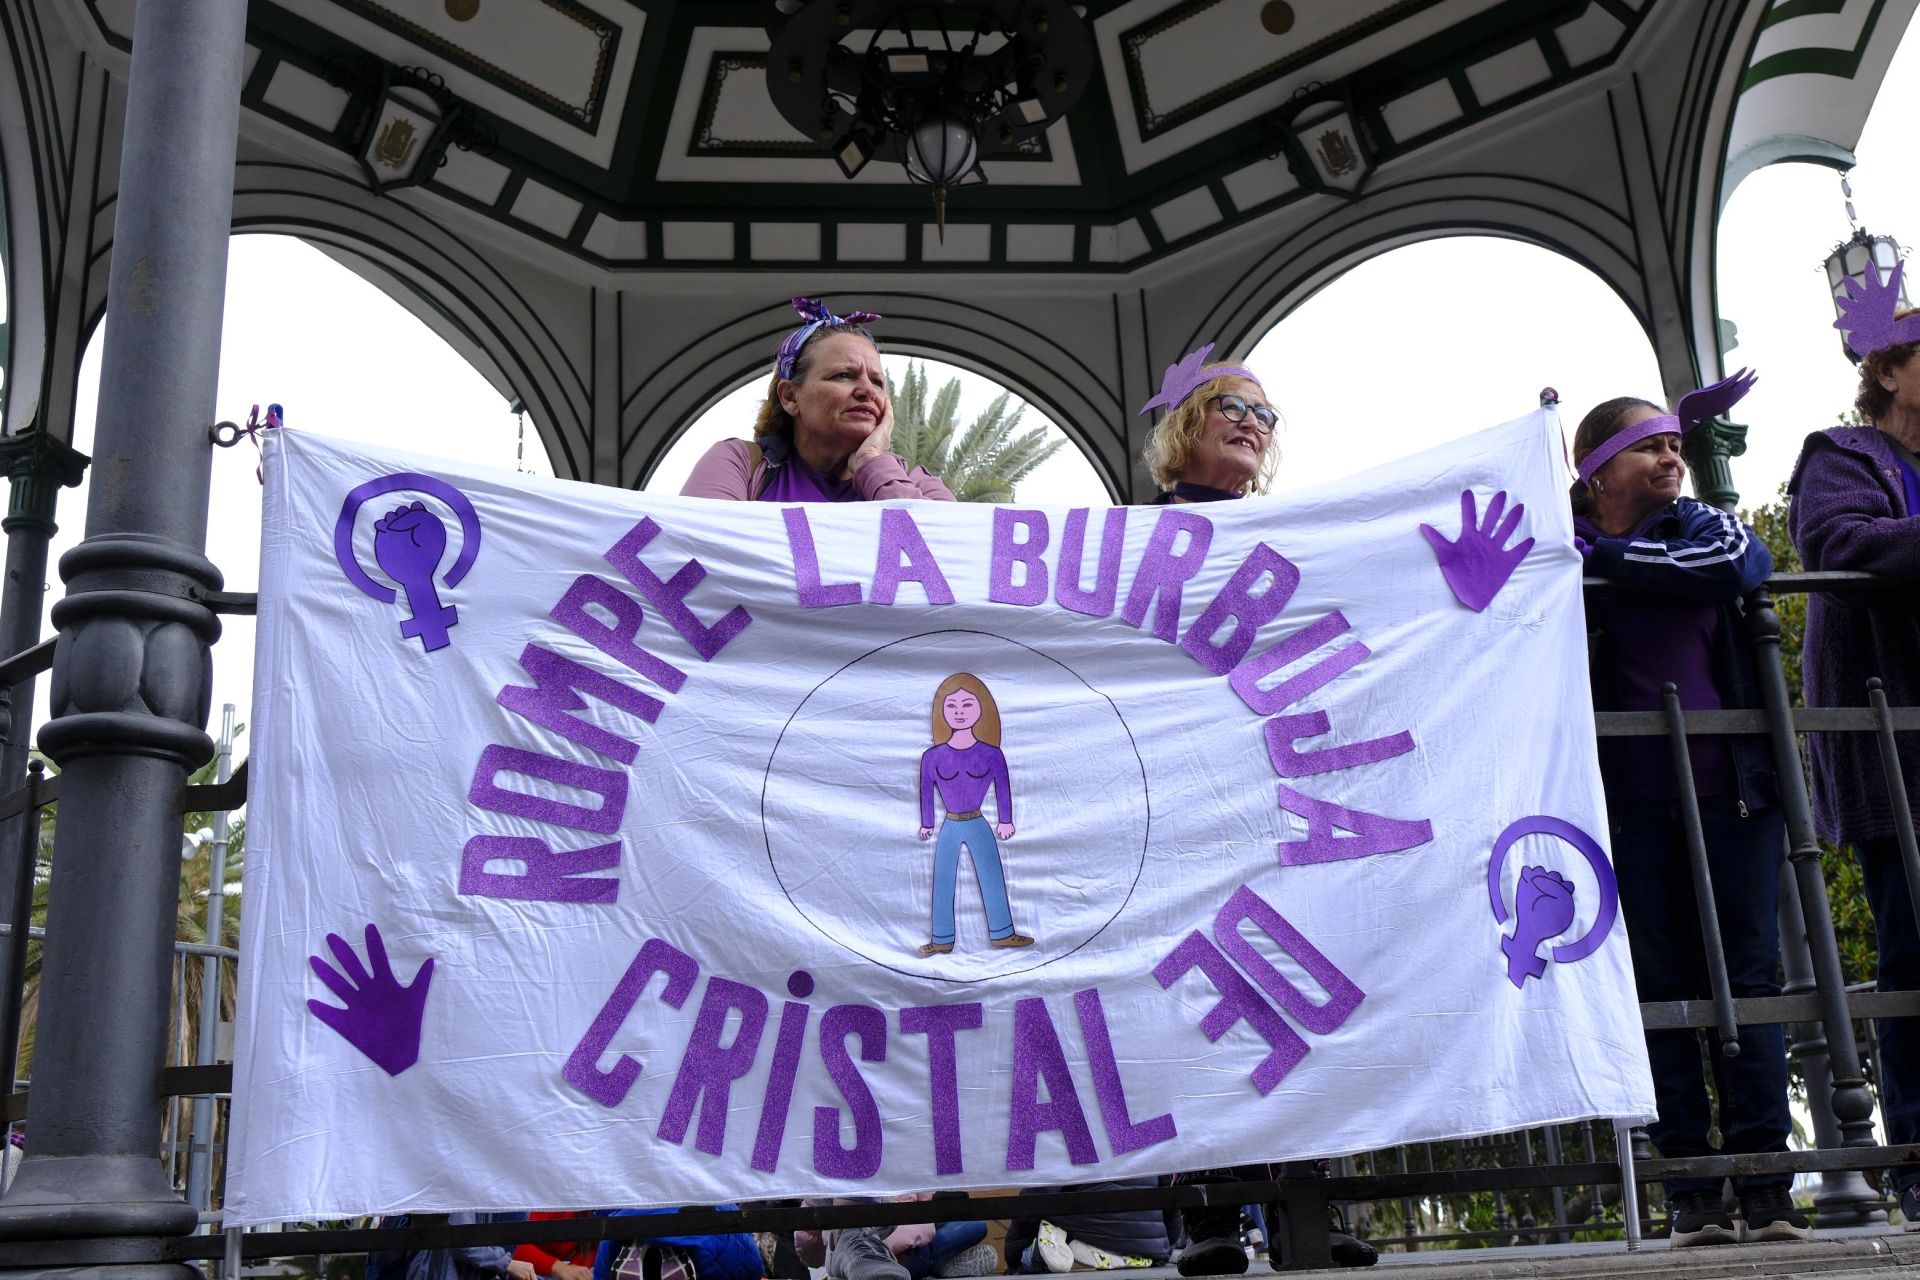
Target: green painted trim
pixel 1788 10
pixel 1844 63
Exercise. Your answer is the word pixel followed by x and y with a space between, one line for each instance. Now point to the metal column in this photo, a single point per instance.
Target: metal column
pixel 130 679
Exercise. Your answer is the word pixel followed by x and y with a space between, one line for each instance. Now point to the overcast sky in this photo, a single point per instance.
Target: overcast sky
pixel 1452 335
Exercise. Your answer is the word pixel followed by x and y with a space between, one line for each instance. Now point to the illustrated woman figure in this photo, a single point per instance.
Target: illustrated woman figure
pixel 964 761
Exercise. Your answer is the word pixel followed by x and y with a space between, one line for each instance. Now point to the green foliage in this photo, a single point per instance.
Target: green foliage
pixel 983 463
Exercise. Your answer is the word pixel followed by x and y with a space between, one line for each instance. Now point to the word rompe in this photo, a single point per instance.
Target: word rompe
pixel 1250 989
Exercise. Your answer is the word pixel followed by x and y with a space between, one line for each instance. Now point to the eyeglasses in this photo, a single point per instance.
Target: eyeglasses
pixel 1236 410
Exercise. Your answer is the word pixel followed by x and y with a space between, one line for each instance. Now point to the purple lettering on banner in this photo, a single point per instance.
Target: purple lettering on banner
pixel 709 1068
pixel 862 1159
pixel 1123 1133
pixel 669 595
pixel 786 1064
pixel 939 1023
pixel 1289 763
pixel 1162 571
pixel 905 557
pixel 1343 995
pixel 1097 603
pixel 559 683
pixel 615 637
pixel 609 784
pixel 609 1088
pixel 812 593
pixel 1239 1002
pixel 1372 833
pixel 1246 677
pixel 1026 552
pixel 1037 1059
pixel 1237 603
pixel 550 875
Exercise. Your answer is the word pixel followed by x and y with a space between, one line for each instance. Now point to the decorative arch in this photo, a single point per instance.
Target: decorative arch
pixel 1016 353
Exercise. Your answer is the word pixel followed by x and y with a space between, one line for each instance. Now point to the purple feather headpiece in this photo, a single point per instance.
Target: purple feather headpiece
pixel 1694 408
pixel 1867 311
pixel 1181 379
pixel 815 313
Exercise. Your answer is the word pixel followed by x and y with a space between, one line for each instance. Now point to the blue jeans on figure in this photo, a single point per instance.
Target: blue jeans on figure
pixel 950 1240
pixel 977 835
pixel 1744 857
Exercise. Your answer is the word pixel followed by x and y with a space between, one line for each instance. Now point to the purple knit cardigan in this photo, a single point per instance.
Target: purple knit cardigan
pixel 1850 512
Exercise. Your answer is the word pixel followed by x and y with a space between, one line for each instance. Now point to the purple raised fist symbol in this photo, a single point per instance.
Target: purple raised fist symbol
pixel 1479 562
pixel 1543 900
pixel 382 1017
pixel 1543 909
pixel 408 545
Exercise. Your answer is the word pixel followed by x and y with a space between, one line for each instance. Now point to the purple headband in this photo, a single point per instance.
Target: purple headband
pixel 1181 379
pixel 815 313
pixel 1694 408
pixel 1866 313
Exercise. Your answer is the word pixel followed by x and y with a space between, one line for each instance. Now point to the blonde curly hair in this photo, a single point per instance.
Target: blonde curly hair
pixel 1171 442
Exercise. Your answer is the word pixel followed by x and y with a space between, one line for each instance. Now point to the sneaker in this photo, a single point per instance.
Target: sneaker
pixel 1013 940
pixel 977 1260
pixel 1910 1207
pixel 1099 1259
pixel 1056 1250
pixel 1695 1217
pixel 1769 1214
pixel 1351 1251
pixel 859 1253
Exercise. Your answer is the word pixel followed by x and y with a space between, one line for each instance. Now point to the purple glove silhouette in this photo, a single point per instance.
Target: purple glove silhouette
pixel 1542 909
pixel 408 544
pixel 382 1018
pixel 1479 563
pixel 1711 402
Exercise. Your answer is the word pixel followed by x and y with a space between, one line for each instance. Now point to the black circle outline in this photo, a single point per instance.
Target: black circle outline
pixel 1146 798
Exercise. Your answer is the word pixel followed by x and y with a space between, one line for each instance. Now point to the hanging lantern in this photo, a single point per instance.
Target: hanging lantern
pixel 1849 260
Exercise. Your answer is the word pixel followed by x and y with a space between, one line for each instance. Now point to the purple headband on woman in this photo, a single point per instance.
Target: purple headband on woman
pixel 1694 408
pixel 1867 311
pixel 1180 380
pixel 815 313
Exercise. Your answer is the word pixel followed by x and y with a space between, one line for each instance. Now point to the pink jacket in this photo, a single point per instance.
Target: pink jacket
pixel 729 471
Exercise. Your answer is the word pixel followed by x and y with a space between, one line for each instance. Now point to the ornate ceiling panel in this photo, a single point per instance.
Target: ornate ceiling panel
pixel 639 133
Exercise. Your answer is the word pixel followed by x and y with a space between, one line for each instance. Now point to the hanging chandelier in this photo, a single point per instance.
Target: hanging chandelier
pixel 979 75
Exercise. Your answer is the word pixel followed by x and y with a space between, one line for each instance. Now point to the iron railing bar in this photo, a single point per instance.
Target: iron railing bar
pixel 17 802
pixel 1708 910
pixel 1827 580
pixel 213 797
pixel 28 663
pixel 246 603
pixel 1648 724
pixel 1896 793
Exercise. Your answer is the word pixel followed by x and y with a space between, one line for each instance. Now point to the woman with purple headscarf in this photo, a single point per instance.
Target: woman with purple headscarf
pixel 1856 505
pixel 1689 563
pixel 825 431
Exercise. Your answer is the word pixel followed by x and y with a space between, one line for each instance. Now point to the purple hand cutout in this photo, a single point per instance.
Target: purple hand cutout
pixel 408 544
pixel 1479 562
pixel 382 1018
pixel 1542 909
pixel 1711 402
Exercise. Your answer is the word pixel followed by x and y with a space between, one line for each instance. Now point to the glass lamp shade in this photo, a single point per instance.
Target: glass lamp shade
pixel 1848 261
pixel 940 151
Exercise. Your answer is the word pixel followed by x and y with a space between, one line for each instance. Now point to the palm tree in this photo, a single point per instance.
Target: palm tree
pixel 982 464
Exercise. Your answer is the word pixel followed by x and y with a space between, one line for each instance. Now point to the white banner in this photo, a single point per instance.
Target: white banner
pixel 614 849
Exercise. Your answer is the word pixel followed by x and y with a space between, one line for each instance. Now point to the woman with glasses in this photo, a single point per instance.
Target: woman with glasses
pixel 1216 443
pixel 1217 438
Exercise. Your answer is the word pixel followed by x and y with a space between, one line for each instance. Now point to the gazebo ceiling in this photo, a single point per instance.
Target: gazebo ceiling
pixel 639 133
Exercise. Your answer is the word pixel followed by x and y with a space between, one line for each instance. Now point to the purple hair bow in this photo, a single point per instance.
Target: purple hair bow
pixel 1181 379
pixel 815 313
pixel 1867 311
pixel 1694 408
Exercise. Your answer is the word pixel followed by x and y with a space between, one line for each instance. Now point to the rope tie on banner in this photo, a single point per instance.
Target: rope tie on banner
pixel 228 434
